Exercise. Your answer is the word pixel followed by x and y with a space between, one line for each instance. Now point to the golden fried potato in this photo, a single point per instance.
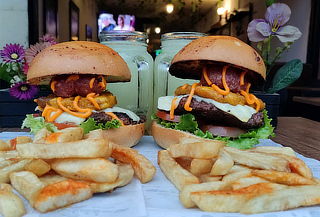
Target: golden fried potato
pixel 247 181
pixel 222 165
pixel 94 170
pixel 143 167
pixel 208 178
pixel 174 172
pixel 200 166
pixel 86 148
pixel 38 167
pixel 15 167
pixel 5 146
pixel 202 150
pixel 283 199
pixel 258 160
pixel 10 204
pixel 69 134
pixel 283 177
pixel 271 149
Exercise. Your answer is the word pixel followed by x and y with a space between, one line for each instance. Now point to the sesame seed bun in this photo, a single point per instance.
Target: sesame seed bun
pixel 189 61
pixel 78 57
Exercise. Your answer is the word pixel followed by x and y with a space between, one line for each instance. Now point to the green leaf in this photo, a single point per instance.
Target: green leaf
pixel 91 124
pixel 270 2
pixel 286 75
pixel 37 123
pixel 4 75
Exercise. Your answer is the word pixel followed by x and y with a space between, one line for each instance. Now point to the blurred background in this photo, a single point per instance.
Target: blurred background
pixel 24 21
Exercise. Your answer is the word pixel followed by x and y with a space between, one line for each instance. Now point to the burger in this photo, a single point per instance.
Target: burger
pixel 219 106
pixel 78 73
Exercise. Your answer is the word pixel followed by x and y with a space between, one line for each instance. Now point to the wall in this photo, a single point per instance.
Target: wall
pixel 88 15
pixel 13 22
pixel 300 17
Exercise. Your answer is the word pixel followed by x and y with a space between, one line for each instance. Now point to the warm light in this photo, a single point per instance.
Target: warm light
pixel 148 30
pixel 157 30
pixel 147 40
pixel 221 10
pixel 169 8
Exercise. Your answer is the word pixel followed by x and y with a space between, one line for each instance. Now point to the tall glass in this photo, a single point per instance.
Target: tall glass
pixel 136 95
pixel 164 83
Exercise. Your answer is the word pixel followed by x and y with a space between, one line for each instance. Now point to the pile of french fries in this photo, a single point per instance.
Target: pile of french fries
pixel 216 178
pixel 58 169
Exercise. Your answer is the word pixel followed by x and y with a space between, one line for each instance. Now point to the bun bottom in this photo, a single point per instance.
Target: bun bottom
pixel 127 136
pixel 164 137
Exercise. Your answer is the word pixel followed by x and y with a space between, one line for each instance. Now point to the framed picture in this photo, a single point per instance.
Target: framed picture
pixel 88 33
pixel 74 21
pixel 50 17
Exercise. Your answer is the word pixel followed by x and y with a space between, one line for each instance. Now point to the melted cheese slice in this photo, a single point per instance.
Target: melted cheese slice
pixel 66 117
pixel 242 112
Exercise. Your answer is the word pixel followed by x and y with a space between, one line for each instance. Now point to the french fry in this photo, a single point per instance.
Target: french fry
pixel 208 178
pixel 174 172
pixel 232 177
pixel 61 194
pixel 275 150
pixel 203 150
pixel 185 162
pixel 283 177
pixel 222 165
pixel 258 160
pixel 10 204
pixel 126 173
pixel 238 168
pixel 88 148
pixel 296 165
pixel 27 184
pixel 230 200
pixel 69 134
pixel 51 178
pixel 5 172
pixel 247 181
pixel 8 162
pixel 283 199
pixel 38 167
pixel 142 167
pixel 200 166
pixel 41 135
pixel 95 170
pixel 186 191
pixel 4 155
pixel 94 134
pixel 5 146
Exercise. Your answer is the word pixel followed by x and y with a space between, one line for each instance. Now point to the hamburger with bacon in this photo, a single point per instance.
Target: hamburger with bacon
pixel 219 106
pixel 78 73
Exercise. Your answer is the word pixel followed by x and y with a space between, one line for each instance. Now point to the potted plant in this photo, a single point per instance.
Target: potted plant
pixel 17 100
pixel 263 32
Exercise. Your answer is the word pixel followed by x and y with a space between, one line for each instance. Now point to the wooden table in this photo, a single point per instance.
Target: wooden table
pixel 307 100
pixel 301 134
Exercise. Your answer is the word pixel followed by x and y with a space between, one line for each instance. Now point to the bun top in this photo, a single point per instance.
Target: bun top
pixel 77 57
pixel 189 61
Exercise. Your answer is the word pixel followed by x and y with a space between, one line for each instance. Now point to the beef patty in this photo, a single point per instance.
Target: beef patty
pixel 102 117
pixel 208 113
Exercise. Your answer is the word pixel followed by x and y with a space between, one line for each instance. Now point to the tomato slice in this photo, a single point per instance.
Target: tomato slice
pixel 62 126
pixel 222 131
pixel 166 116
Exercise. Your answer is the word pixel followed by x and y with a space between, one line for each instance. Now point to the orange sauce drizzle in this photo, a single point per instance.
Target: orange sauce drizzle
pixel 72 78
pixel 92 100
pixel 173 107
pixel 115 117
pixel 187 104
pixel 103 83
pixel 205 75
pixel 226 90
pixel 91 82
pixel 242 77
pixel 53 85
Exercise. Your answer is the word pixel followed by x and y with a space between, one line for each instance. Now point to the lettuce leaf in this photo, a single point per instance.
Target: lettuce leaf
pixel 244 141
pixel 91 124
pixel 37 123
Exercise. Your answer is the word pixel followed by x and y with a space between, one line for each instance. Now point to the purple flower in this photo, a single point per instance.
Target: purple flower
pixel 277 15
pixel 48 38
pixel 33 50
pixel 23 91
pixel 12 53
